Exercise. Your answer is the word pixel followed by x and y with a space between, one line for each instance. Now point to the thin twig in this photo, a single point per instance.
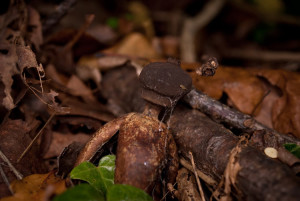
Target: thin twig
pixel 204 177
pixel 13 169
pixel 5 180
pixel 222 113
pixel 196 175
pixel 88 20
pixel 36 137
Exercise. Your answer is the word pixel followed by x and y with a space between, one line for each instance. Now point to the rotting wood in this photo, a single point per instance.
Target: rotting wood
pixel 260 178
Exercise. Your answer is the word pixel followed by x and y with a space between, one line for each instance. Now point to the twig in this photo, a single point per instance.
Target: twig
pixel 13 169
pixel 234 118
pixel 36 137
pixel 58 14
pixel 203 176
pixel 5 180
pixel 196 175
pixel 88 20
pixel 192 25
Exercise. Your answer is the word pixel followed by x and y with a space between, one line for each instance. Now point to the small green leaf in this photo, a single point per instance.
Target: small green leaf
pixel 120 192
pixel 293 148
pixel 101 177
pixel 81 192
pixel 112 22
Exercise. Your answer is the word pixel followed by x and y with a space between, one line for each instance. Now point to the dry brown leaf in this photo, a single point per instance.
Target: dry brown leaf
pixel 95 111
pixel 286 109
pixel 78 88
pixel 34 32
pixel 136 45
pixel 8 68
pixel 14 135
pixel 244 90
pixel 60 141
pixel 27 59
pixel 89 67
pixel 38 187
pixel 52 74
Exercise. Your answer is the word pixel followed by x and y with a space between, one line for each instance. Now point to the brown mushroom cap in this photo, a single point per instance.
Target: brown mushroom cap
pixel 164 82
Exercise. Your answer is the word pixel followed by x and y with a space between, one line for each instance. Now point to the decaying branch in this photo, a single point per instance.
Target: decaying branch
pixel 257 178
pixel 234 118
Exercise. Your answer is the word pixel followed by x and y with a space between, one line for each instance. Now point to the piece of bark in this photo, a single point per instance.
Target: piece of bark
pixel 259 177
pixel 234 118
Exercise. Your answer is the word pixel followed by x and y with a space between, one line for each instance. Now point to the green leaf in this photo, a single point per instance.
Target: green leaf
pixel 81 192
pixel 293 148
pixel 120 192
pixel 101 177
pixel 113 22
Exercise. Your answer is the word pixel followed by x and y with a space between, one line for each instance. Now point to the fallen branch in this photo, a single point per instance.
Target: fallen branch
pixel 234 118
pixel 258 178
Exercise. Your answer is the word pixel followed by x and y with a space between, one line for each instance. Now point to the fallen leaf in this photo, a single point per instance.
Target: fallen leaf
pixel 14 135
pixel 136 45
pixel 38 187
pixel 243 89
pixel 34 31
pixel 286 109
pixel 60 141
pixel 78 88
pixel 8 68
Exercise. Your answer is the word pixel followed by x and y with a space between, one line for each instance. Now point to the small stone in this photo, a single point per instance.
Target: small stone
pixel 271 152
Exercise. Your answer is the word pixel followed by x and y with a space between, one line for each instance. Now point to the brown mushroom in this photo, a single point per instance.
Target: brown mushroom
pixel 145 145
pixel 164 83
